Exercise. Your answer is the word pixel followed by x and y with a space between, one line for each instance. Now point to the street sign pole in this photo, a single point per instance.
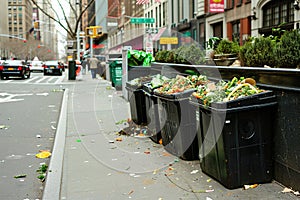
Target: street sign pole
pixel 91 47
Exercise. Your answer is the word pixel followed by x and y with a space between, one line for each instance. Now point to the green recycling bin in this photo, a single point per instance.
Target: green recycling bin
pixel 115 68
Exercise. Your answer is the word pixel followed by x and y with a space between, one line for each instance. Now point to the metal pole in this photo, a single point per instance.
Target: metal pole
pixel 91 46
pixel 78 42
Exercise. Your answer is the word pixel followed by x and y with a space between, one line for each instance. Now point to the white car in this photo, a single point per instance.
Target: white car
pixel 37 65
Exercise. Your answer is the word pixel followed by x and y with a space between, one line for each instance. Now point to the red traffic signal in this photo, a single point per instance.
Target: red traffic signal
pixel 24 41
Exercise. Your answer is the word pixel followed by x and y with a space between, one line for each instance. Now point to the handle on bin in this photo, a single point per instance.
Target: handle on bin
pixel 242 108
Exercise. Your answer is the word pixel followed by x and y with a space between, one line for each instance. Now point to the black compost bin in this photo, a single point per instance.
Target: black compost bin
pixel 151 112
pixel 178 125
pixel 137 104
pixel 235 139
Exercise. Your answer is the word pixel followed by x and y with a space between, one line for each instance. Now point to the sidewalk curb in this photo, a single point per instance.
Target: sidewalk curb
pixel 54 175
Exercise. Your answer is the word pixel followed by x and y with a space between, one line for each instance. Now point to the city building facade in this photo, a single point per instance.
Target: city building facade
pixel 193 21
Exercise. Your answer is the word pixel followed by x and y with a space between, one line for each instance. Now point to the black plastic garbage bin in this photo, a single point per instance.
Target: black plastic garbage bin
pixel 136 99
pixel 72 70
pixel 178 125
pixel 152 113
pixel 235 139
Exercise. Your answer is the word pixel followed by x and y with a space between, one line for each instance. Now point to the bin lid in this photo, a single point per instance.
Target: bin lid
pixel 114 59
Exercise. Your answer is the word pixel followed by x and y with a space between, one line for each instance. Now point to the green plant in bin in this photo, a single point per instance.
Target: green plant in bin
pixel 226 46
pixel 189 54
pixel 186 54
pixel 258 52
pixel 288 50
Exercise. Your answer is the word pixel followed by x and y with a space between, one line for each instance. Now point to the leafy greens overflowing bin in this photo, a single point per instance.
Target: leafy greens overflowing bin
pixel 139 63
pixel 235 121
pixel 177 118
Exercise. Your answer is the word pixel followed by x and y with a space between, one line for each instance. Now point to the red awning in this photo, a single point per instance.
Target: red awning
pixel 98 46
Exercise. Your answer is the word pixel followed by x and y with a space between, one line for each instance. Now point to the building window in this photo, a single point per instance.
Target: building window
pixel 236 31
pixel 194 34
pixel 230 3
pixel 156 14
pixel 202 34
pixel 239 2
pixel 159 15
pixel 164 13
pixel 276 13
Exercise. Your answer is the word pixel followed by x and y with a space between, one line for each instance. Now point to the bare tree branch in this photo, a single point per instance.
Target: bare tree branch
pixel 71 31
pixel 65 17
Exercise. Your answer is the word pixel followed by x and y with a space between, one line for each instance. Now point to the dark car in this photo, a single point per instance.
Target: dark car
pixel 53 67
pixel 14 68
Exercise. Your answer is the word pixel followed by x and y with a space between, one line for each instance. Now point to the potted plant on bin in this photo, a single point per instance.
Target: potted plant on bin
pixel 225 53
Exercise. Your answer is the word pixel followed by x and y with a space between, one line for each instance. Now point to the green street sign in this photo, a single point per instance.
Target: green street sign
pixel 142 20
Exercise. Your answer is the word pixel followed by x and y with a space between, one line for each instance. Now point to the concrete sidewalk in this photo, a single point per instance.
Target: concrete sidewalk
pixel 97 166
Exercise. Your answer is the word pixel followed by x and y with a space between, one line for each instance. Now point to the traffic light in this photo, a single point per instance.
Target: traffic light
pixel 24 41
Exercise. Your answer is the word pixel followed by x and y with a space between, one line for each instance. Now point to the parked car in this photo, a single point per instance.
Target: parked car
pixel 52 67
pixel 14 68
pixel 36 65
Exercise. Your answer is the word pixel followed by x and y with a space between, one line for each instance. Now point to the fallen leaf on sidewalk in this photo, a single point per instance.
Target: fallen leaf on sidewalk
pixel 286 190
pixel 119 139
pixel 121 122
pixel 289 190
pixel 203 191
pixel 20 176
pixel 194 171
pixel 246 187
pixel 130 192
pixel 166 154
pixel 43 154
pixel 160 141
pixel 3 127
pixel 147 152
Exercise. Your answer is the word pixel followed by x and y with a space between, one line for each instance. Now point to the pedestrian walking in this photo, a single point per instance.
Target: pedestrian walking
pixel 84 65
pixel 93 62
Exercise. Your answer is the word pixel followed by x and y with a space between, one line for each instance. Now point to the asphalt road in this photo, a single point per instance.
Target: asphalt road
pixel 28 119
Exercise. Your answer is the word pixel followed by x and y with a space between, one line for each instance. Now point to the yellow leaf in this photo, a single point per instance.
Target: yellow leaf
pixel 43 154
